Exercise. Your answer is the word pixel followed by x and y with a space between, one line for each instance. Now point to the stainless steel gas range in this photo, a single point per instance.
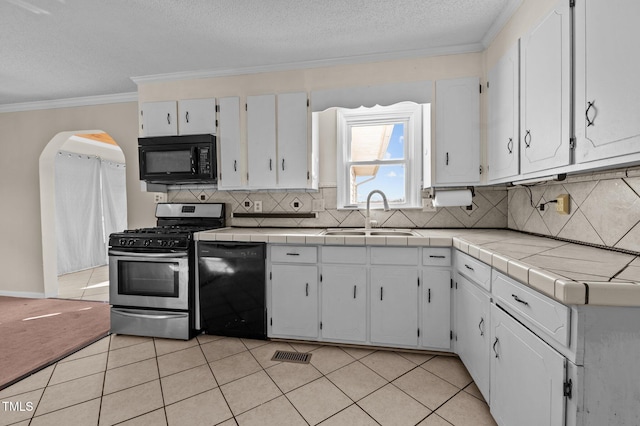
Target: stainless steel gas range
pixel 152 272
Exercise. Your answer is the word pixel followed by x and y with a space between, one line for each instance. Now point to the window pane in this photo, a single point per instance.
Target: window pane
pixel 378 142
pixel 390 179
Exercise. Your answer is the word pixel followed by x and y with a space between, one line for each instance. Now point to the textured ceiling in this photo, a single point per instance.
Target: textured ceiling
pixel 57 49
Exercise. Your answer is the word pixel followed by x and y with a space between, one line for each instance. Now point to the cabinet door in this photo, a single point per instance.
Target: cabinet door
pixel 457 146
pixel 545 84
pixel 607 90
pixel 292 140
pixel 344 303
pixel 294 301
pixel 261 141
pixel 159 119
pixel 394 306
pixel 473 331
pixel 229 143
pixel 527 376
pixel 503 147
pixel 436 308
pixel 197 116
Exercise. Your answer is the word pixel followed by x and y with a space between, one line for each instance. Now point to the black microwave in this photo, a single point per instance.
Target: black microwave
pixel 178 159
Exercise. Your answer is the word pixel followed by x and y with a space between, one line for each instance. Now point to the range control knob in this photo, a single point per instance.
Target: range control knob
pixel 147 243
pixel 131 242
pixel 122 242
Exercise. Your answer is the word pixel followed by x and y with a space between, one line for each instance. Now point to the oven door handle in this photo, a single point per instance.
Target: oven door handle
pixel 148 255
pixel 148 316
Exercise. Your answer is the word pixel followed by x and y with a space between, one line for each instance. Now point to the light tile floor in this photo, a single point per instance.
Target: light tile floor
pixel 90 284
pixel 211 380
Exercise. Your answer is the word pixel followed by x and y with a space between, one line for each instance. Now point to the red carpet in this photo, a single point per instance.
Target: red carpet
pixel 34 333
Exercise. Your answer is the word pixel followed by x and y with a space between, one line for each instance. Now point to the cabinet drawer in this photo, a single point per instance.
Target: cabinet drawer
pixel 532 307
pixel 436 256
pixel 294 254
pixel 350 255
pixel 475 270
pixel 394 256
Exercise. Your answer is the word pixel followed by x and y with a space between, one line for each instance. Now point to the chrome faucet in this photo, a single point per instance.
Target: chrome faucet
pixel 367 219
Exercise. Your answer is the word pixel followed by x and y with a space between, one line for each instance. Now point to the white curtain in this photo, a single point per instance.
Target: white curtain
pixel 90 204
pixel 114 196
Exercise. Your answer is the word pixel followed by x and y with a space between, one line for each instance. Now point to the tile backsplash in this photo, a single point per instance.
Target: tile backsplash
pixel 489 210
pixel 604 209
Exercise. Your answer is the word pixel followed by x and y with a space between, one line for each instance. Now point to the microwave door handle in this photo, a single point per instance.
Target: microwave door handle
pixel 194 152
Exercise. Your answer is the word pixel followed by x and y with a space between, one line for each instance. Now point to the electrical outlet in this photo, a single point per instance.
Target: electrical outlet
pixel 257 206
pixel 562 204
pixel 159 197
pixel 427 205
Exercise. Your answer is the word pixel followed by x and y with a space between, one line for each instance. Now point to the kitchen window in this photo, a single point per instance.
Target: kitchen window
pixel 380 148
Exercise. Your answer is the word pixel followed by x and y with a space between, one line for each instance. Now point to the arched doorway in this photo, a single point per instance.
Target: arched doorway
pixel 78 176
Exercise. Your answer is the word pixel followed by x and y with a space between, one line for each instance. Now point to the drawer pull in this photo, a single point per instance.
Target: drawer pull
pixel 469 267
pixel 494 347
pixel 517 299
pixel 354 291
pixel 437 256
pixel 480 326
pixel 293 254
pixel 429 296
pixel 381 290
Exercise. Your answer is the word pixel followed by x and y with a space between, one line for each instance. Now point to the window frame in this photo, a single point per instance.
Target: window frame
pixel 408 113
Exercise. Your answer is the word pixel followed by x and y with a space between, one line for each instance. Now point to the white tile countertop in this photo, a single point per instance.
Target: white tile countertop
pixel 570 273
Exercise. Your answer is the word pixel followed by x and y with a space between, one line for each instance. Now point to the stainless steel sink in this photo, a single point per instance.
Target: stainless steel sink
pixel 370 232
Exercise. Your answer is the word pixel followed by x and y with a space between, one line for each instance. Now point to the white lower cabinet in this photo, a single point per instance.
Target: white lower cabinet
pixel 294 301
pixel 473 321
pixel 527 376
pixel 344 303
pixel 435 327
pixel 394 306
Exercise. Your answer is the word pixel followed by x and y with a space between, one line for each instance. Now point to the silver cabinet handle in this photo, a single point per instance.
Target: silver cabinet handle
pixel 517 299
pixel 283 164
pixel 381 292
pixel 354 291
pixel 480 326
pixel 447 160
pixel 235 165
pixel 510 145
pixel 494 348
pixel 186 116
pixel 270 164
pixel 436 256
pixel 469 267
pixel 307 290
pixel 590 121
pixel 168 118
pixel 527 138
pixel 293 254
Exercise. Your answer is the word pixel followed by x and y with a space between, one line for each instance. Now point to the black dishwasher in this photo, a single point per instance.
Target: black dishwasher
pixel 231 282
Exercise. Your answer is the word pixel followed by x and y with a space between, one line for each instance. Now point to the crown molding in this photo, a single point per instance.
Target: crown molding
pixel 290 66
pixel 71 102
pixel 500 22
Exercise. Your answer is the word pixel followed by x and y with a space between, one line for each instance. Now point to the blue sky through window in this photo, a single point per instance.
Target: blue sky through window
pixel 391 178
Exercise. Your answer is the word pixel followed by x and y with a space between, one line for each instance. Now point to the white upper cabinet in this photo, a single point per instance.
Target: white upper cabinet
pixel 229 142
pixel 292 140
pixel 197 116
pixel 456 157
pixel 159 119
pixel 171 118
pixel 277 141
pixel 503 147
pixel 261 141
pixel 607 110
pixel 545 73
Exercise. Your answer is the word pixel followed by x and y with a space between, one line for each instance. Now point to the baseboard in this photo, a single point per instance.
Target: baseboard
pixel 26 294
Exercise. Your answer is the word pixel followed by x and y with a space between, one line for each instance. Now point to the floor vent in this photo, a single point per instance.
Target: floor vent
pixel 299 357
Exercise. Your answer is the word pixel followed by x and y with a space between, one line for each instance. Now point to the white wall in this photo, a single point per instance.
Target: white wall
pixel 23 137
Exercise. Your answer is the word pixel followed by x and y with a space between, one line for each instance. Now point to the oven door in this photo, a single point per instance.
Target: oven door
pixel 149 280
